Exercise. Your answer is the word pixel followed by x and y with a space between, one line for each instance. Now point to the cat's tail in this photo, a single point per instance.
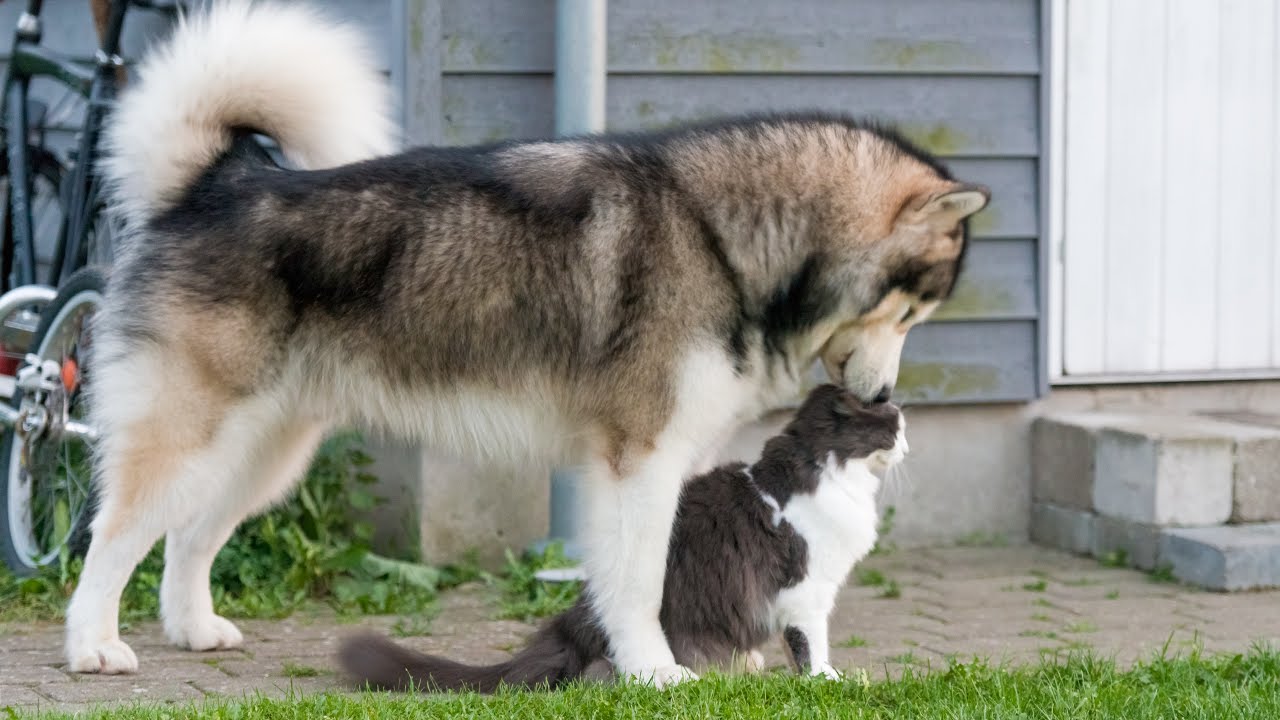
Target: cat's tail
pixel 559 653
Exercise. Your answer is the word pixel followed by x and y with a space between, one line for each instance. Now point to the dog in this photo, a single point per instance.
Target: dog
pixel 618 303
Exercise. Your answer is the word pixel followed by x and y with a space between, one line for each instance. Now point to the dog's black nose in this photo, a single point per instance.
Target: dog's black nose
pixel 883 395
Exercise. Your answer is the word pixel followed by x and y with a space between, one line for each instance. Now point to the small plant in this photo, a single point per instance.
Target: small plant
pixel 524 596
pixel 853 641
pixel 979 538
pixel 1081 582
pixel 414 625
pixel 1084 626
pixel 1118 558
pixel 1041 602
pixel 1041 617
pixel 870 577
pixel 1163 574
pixel 1046 634
pixel 882 547
pixel 906 658
pixel 891 590
pixel 1037 586
pixel 1112 594
pixel 294 670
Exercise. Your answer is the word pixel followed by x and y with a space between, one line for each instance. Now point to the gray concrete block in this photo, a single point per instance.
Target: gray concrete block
pixel 1256 496
pixel 465 507
pixel 1256 491
pixel 1140 542
pixel 1062 528
pixel 1228 557
pixel 1164 470
pixel 1062 458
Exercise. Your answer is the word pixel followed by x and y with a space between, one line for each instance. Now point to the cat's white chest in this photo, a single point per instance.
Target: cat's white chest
pixel 838 524
pixel 838 521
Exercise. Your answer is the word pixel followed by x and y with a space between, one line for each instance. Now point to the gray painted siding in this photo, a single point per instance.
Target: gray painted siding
pixel 961 77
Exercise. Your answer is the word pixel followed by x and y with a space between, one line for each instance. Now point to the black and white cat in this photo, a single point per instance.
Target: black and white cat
pixel 755 551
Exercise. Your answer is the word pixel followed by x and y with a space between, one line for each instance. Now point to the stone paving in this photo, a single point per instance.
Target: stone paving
pixel 1006 604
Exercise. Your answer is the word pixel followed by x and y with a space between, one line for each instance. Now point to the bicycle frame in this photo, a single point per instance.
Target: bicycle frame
pixel 98 84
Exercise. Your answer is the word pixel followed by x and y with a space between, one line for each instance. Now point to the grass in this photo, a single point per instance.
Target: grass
pixel 1081 582
pixel 870 577
pixel 1037 586
pixel 294 670
pixel 979 538
pixel 883 546
pixel 891 590
pixel 1115 559
pixel 1068 686
pixel 853 641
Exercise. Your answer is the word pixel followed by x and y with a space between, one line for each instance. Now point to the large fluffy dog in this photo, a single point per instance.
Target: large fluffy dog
pixel 616 302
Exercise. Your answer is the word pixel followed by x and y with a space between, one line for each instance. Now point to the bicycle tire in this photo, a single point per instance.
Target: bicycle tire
pixel 84 289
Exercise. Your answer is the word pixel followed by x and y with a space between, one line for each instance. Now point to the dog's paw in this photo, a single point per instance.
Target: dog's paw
pixel 825 670
pixel 208 633
pixel 108 657
pixel 754 661
pixel 662 677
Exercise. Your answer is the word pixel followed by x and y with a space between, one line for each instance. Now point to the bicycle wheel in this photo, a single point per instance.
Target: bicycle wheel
pixel 46 479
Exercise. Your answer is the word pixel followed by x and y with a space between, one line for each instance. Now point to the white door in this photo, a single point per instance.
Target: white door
pixel 1168 157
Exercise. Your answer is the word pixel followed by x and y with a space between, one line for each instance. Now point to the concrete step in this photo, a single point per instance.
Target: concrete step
pixel 1197 493
pixel 1217 557
pixel 1159 469
pixel 1228 557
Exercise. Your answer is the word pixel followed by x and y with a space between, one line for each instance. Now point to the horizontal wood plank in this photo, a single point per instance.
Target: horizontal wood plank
pixel 726 37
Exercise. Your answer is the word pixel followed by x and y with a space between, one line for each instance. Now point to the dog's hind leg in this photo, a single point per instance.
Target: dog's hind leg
pixel 173 445
pixel 157 423
pixel 277 460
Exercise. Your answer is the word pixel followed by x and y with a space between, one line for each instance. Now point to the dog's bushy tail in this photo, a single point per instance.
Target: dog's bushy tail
pixel 282 70
pixel 560 652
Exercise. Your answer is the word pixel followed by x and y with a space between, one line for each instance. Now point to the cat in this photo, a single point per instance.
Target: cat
pixel 755 550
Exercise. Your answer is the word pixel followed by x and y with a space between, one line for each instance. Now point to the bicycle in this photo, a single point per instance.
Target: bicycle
pixel 45 327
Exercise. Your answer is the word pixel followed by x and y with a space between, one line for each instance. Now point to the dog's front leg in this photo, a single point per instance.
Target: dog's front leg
pixel 627 527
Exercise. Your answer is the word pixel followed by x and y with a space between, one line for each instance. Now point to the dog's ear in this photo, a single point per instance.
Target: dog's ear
pixel 954 204
pixel 944 206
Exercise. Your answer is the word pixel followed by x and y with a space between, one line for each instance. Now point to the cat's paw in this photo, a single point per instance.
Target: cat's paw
pixel 662 677
pixel 825 670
